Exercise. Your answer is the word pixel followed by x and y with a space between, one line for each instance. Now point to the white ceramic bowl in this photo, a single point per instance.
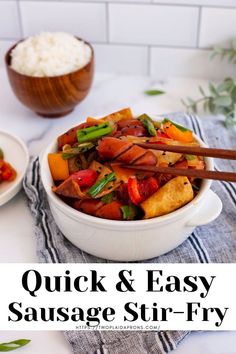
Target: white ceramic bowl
pixel 130 240
pixel 16 153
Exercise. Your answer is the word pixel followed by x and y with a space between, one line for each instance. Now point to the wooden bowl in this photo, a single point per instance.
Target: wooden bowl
pixel 54 96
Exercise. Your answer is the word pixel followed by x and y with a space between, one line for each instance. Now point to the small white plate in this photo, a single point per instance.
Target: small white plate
pixel 16 153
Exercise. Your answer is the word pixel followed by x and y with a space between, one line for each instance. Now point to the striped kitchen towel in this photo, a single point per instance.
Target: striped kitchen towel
pixel 215 242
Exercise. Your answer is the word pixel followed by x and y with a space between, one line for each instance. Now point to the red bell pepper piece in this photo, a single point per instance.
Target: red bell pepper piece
pixel 141 190
pixel 85 178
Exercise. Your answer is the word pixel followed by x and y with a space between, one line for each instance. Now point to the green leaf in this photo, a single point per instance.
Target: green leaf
pixel 211 105
pixel 230 122
pixel 205 106
pixel 184 103
pixel 154 92
pixel 226 85
pixel 190 100
pixel 231 56
pixel 224 101
pixel 1 154
pixel 233 95
pixel 217 49
pixel 213 90
pixel 201 91
pixel 194 108
pixel 233 43
pixel 7 347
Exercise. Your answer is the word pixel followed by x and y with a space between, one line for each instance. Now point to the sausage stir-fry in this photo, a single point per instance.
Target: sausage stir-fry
pixel 88 170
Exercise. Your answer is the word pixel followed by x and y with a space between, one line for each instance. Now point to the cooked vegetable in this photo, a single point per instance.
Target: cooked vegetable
pixel 7 172
pixel 173 195
pixel 133 190
pixel 98 187
pixel 73 152
pixel 148 123
pixel 190 157
pixel 195 187
pixel 107 198
pixel 129 212
pixel 85 178
pixel 177 132
pixel 58 167
pixel 141 190
pixel 93 132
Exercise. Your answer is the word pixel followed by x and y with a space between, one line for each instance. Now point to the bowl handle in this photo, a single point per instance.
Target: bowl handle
pixel 208 211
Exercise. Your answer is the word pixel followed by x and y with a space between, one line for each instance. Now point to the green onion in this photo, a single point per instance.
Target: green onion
pixel 157 124
pixel 94 132
pixel 129 212
pixel 107 198
pixel 195 187
pixel 148 123
pixel 69 153
pixel 1 154
pixel 98 187
pixel 190 157
pixel 154 92
pixel 180 127
pixel 7 347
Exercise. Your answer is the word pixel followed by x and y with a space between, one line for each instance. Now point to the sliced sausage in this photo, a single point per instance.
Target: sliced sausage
pixel 128 123
pixel 147 159
pixel 89 206
pixel 109 148
pixel 129 156
pixel 134 131
pixel 110 211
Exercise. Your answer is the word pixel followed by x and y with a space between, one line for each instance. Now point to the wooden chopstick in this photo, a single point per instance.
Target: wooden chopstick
pixel 203 174
pixel 192 150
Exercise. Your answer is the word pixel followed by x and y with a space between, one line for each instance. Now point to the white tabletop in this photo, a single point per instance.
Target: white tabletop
pixel 17 243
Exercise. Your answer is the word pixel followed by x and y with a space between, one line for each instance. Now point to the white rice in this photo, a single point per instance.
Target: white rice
pixel 50 54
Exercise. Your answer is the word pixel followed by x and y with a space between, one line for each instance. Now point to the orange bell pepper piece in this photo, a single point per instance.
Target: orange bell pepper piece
pixel 175 133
